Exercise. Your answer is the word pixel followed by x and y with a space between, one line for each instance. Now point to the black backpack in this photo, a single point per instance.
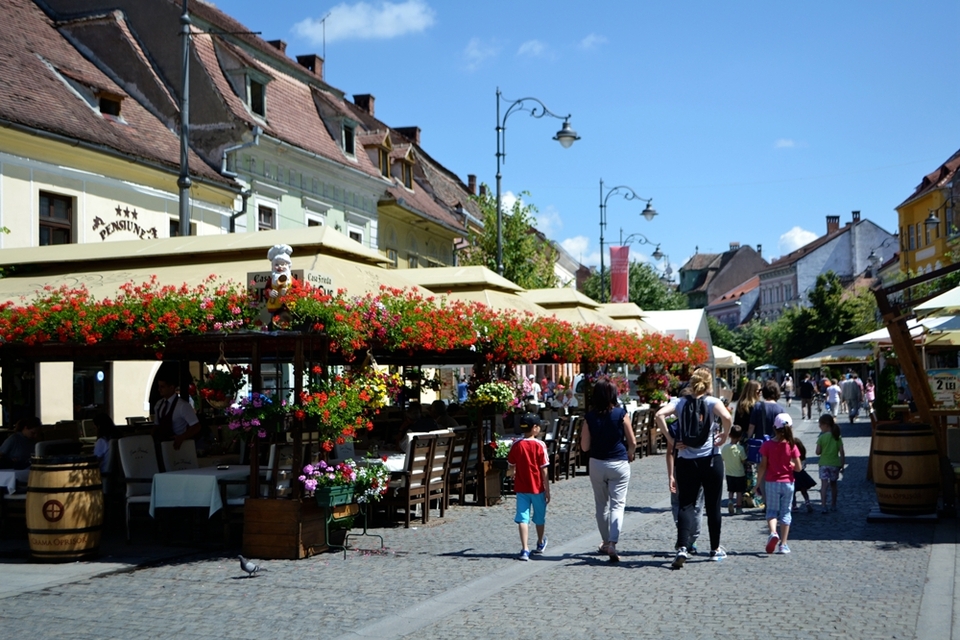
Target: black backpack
pixel 693 425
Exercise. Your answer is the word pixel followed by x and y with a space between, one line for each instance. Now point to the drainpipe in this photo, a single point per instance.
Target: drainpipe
pixel 246 193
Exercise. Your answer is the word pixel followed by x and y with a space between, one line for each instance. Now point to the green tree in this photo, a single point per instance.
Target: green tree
pixel 526 260
pixel 721 334
pixel 646 289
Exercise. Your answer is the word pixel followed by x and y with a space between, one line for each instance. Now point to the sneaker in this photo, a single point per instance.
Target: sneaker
pixel 739 511
pixel 783 548
pixel 772 542
pixel 541 546
pixel 680 558
pixel 809 508
pixel 524 555
pixel 718 554
pixel 693 549
pixel 730 509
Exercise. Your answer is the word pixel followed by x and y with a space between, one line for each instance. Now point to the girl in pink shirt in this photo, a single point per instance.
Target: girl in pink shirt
pixel 780 458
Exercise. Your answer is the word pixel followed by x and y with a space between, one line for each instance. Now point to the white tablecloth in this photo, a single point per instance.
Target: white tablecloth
pixel 9 478
pixel 195 487
pixel 396 460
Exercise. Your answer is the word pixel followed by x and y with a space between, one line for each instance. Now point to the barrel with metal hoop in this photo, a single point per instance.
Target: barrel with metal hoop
pixel 906 469
pixel 64 508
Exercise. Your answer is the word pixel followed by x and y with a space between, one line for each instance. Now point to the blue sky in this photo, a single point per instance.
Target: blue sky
pixel 745 121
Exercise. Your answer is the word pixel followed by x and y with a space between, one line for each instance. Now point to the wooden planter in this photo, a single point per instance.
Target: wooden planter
pixel 281 529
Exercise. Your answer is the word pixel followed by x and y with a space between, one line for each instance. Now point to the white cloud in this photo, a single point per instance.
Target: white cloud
pixel 477 52
pixel 532 48
pixel 784 143
pixel 548 221
pixel 578 246
pixel 507 200
pixel 592 41
pixel 365 21
pixel 794 239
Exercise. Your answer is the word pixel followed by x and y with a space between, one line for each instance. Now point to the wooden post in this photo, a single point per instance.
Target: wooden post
pixel 256 381
pixel 297 428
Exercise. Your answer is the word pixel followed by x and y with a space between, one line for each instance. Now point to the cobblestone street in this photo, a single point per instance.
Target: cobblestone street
pixel 457 577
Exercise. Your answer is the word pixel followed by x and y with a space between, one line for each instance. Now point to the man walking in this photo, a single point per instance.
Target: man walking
pixel 807 389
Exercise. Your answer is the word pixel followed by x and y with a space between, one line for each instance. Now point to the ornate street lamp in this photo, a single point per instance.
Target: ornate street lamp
pixel 566 137
pixel 641 239
pixel 628 194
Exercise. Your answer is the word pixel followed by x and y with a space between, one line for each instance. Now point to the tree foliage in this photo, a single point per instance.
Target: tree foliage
pixel 527 261
pixel 646 289
pixel 721 335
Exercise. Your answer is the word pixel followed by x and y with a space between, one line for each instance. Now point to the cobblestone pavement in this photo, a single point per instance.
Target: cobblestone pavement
pixel 457 577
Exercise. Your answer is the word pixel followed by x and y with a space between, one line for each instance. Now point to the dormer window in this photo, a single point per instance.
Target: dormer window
pixel 384 156
pixel 257 97
pixel 109 104
pixel 407 170
pixel 349 138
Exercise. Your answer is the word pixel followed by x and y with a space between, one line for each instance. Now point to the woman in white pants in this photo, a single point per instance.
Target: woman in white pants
pixel 609 438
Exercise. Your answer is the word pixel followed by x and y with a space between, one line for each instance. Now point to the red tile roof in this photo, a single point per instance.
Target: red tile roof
pixel 36 59
pixel 936 179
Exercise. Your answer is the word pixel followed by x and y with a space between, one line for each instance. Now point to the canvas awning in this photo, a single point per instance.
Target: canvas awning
pixel 104 267
pixel 628 314
pixel 934 330
pixel 570 305
pixel 474 284
pixel 947 303
pixel 725 359
pixel 838 354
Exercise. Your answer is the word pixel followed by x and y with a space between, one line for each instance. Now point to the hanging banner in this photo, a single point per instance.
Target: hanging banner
pixel 620 274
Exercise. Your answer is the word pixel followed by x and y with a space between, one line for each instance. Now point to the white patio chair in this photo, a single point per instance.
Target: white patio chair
pixel 138 457
pixel 179 459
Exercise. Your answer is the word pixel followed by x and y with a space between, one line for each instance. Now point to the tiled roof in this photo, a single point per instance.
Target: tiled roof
pixel 35 60
pixel 738 291
pixel 700 261
pixel 936 179
pixel 793 256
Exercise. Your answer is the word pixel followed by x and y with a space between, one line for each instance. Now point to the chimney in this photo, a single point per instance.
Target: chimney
pixel 483 190
pixel 734 246
pixel 760 250
pixel 472 184
pixel 412 133
pixel 311 62
pixel 856 216
pixel 833 224
pixel 364 101
pixel 279 45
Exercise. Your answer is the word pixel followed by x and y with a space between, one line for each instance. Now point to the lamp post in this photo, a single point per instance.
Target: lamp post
pixel 641 239
pixel 628 194
pixel 566 137
pixel 183 181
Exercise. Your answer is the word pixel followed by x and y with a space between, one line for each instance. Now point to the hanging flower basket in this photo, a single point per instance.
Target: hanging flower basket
pixel 334 496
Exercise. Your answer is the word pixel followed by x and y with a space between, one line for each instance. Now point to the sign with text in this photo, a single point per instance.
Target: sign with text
pixel 620 274
pixel 258 283
pixel 127 222
pixel 945 385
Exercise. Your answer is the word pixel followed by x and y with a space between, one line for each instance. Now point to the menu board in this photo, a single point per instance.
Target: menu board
pixel 945 384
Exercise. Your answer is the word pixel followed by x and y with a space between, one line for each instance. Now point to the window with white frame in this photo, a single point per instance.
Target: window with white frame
pixel 349 138
pixel 56 219
pixel 266 217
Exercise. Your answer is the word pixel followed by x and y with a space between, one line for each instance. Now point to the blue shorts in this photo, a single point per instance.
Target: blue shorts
pixel 538 501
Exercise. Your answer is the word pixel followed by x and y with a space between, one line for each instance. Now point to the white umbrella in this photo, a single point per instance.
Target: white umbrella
pixel 945 304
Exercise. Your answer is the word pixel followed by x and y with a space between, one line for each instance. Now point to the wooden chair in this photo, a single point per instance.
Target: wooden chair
pixel 179 459
pixel 138 457
pixel 410 487
pixel 440 471
pixel 552 438
pixel 570 448
pixel 641 432
pixel 459 475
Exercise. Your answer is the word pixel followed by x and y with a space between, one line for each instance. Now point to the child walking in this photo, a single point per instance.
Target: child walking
pixel 832 459
pixel 802 481
pixel 528 457
pixel 734 456
pixel 780 457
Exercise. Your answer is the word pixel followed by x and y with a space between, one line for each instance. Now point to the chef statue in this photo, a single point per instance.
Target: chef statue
pixel 280 276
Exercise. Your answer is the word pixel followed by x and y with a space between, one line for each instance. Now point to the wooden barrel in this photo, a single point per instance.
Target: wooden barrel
pixel 64 508
pixel 906 469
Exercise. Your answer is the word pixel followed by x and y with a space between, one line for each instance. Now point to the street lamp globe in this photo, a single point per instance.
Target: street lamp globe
pixel 657 254
pixel 648 212
pixel 932 221
pixel 566 136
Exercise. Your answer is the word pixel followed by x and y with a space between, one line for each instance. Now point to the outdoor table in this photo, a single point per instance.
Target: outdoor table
pixel 10 477
pixel 396 460
pixel 195 487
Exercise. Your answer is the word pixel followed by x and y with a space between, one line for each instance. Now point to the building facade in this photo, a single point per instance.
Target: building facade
pixel 927 221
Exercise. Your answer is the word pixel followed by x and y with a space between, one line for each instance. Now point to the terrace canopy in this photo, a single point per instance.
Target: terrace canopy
pixel 836 355
pixel 475 284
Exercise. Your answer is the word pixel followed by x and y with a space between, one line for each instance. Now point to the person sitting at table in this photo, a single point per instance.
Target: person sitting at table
pixel 175 418
pixel 16 450
pixel 414 421
pixel 438 409
pixel 567 401
pixel 106 431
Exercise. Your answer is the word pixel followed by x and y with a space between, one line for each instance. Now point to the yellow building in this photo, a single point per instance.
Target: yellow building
pixel 928 226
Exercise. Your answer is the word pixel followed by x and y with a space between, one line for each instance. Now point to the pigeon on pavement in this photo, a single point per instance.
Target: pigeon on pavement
pixel 250 567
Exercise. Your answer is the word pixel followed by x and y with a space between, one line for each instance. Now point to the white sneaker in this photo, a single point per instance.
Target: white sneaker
pixel 680 558
pixel 718 554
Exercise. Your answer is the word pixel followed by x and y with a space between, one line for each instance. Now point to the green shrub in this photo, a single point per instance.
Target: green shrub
pixel 886 392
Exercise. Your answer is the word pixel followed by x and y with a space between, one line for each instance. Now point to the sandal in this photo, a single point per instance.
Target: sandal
pixel 603 549
pixel 612 552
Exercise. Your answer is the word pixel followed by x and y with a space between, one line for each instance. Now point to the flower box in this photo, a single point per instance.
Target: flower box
pixel 333 496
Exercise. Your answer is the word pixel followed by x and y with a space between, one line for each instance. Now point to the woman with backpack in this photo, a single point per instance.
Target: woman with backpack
pixel 702 427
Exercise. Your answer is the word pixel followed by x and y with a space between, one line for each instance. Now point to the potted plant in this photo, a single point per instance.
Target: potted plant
pixel 373 480
pixel 331 485
pixel 497 452
pixel 219 386
pixel 257 414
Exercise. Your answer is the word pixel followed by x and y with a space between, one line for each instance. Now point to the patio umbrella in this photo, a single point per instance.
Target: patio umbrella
pixel 767 367
pixel 945 304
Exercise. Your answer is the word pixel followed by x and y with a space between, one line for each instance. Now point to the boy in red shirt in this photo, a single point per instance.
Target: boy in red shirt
pixel 528 458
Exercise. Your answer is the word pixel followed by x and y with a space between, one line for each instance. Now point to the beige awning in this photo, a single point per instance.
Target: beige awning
pixel 572 306
pixel 628 314
pixel 474 284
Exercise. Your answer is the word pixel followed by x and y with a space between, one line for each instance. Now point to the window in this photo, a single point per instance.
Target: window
pixel 392 257
pixel 413 261
pixel 258 98
pixel 926 234
pixel 356 236
pixel 266 218
pixel 109 105
pixel 175 228
pixel 951 227
pixel 407 175
pixel 56 219
pixel 384 162
pixel 314 222
pixel 910 241
pixel 349 138
pixel 919 235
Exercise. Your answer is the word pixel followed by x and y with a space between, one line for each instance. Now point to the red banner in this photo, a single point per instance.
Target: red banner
pixel 620 274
